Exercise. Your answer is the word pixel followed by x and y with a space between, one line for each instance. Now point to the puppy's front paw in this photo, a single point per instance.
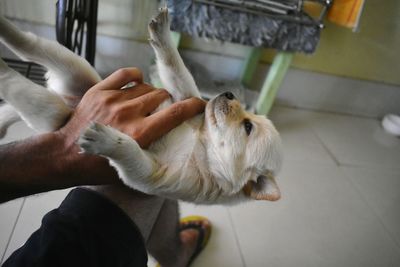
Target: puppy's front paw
pixel 99 139
pixel 159 28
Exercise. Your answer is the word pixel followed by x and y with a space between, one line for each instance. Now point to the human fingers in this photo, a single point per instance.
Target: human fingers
pixel 148 102
pixel 120 78
pixel 137 91
pixel 160 123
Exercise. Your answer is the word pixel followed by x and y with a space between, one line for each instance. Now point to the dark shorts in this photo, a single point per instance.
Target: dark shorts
pixel 86 230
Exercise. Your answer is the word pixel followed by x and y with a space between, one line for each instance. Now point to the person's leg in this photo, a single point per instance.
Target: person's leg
pixel 169 245
pixel 158 221
pixel 87 229
pixel 142 209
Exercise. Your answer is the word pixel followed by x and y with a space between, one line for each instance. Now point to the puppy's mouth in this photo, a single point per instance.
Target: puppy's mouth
pixel 216 110
pixel 210 112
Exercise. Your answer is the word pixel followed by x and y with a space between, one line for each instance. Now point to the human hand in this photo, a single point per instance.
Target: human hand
pixel 129 110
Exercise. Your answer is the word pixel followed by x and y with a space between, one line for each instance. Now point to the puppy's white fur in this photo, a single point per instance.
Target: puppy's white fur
pixel 210 158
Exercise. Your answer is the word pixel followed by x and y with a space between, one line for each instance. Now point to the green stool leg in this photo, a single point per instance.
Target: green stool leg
pixel 250 66
pixel 273 81
pixel 176 38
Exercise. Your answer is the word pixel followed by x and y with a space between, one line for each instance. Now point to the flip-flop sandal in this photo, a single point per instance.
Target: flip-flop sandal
pixel 204 234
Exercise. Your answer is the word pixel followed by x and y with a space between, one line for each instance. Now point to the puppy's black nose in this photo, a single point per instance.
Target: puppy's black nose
pixel 229 95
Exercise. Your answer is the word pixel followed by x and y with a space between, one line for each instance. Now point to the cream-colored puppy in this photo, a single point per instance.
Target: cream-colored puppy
pixel 224 155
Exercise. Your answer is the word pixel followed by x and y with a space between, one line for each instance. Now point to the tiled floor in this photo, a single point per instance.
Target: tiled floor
pixel 340 207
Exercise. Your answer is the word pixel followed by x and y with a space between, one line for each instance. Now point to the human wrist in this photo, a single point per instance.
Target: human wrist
pixel 31 166
pixel 48 162
pixel 80 168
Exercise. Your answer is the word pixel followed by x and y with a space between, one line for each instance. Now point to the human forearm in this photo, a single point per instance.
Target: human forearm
pixel 47 162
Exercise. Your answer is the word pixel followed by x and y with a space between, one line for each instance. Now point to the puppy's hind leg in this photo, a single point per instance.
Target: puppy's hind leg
pixel 40 109
pixel 69 75
pixel 173 73
pixel 135 166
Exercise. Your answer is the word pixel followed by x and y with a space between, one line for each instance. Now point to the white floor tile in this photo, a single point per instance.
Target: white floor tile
pixel 358 141
pixel 8 214
pixel 35 207
pixel 321 221
pixel 10 210
pixel 299 141
pixel 17 131
pixel 381 190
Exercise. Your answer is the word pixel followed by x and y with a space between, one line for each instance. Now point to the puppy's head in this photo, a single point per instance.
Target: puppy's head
pixel 244 149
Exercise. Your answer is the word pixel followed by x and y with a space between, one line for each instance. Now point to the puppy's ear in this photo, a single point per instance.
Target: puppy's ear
pixel 264 189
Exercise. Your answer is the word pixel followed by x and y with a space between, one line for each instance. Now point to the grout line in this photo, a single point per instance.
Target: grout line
pixel 327 150
pixel 12 231
pixel 368 166
pixel 364 199
pixel 327 112
pixel 236 237
pixel 336 161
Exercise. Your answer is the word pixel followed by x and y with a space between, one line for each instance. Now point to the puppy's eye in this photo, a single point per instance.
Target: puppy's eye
pixel 248 126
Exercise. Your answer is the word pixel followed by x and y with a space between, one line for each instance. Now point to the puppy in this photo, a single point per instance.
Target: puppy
pixel 222 156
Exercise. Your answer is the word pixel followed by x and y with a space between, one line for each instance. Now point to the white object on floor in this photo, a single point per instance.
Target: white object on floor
pixel 391 124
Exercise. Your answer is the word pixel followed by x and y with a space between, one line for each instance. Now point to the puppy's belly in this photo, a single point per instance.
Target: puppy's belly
pixel 175 146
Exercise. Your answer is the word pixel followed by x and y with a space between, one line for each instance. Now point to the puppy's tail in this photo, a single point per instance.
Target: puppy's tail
pixel 8 116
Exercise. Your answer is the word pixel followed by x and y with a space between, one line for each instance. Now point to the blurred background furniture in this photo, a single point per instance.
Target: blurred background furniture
pixel 287 26
pixel 76 24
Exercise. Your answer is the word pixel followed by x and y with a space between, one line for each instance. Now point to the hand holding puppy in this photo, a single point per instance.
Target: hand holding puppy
pixel 129 110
